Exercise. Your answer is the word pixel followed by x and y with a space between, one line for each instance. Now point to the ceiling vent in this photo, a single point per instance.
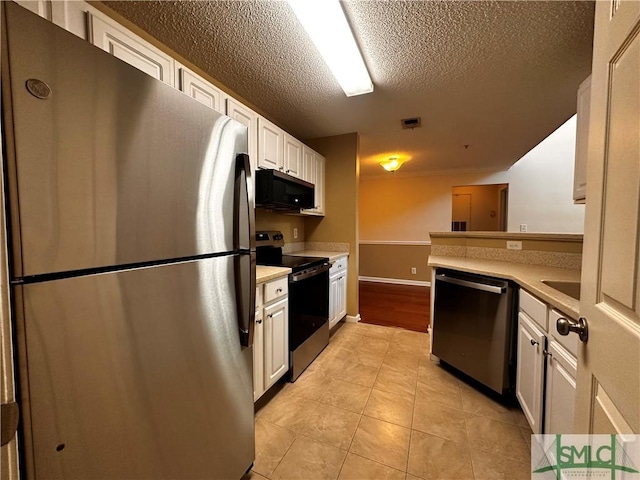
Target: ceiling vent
pixel 411 122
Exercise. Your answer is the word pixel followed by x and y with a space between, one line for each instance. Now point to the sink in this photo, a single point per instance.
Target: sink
pixel 568 288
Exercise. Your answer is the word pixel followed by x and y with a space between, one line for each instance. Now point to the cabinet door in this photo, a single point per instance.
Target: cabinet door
pixel 342 305
pixel 530 371
pixel 582 141
pixel 130 48
pixel 197 87
pixel 276 342
pixel 560 396
pixel 249 119
pixel 334 299
pixel 292 156
pixel 270 145
pixel 320 181
pixel 309 168
pixel 258 357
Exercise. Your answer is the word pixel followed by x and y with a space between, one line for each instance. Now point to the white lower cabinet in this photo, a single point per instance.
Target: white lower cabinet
pixel 338 291
pixel 546 368
pixel 271 335
pixel 530 372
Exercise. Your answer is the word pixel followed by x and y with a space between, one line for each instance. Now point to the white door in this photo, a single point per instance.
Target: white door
pixel 292 156
pixel 608 384
pixel 270 145
pixel 560 390
pixel 276 342
pixel 530 371
pixel 249 119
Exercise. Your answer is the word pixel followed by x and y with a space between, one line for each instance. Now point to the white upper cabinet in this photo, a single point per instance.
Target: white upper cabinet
pixel 270 145
pixel 249 119
pixel 125 45
pixel 293 164
pixel 582 140
pixel 314 168
pixel 197 87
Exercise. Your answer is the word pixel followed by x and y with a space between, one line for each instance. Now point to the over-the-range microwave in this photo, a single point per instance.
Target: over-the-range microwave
pixel 278 191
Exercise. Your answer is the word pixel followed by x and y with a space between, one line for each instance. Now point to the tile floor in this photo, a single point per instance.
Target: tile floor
pixel 374 406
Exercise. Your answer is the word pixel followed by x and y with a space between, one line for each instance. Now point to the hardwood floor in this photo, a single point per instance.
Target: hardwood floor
pixel 391 305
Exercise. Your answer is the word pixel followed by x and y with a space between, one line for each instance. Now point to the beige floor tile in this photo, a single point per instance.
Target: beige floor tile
pixel 394 380
pixel 412 477
pixel 376 331
pixel 289 411
pixel 371 359
pixel 253 476
pixel 272 442
pixel 476 402
pixel 405 362
pixel 331 425
pixel 311 384
pixel 435 393
pixel 358 373
pixel 489 466
pixel 432 372
pixel 493 436
pixel 526 433
pixel 407 349
pixel 349 396
pixel 359 468
pixel 441 421
pixel 382 442
pixel 331 366
pixel 308 459
pixel 432 457
pixel 520 417
pixel 373 345
pixel 390 407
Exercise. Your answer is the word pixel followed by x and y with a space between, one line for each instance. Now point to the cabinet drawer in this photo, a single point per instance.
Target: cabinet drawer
pixel 570 342
pixel 534 308
pixel 339 265
pixel 276 289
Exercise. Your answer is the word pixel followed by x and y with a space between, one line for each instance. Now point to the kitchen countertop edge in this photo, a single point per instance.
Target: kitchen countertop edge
pixel 265 273
pixel 527 276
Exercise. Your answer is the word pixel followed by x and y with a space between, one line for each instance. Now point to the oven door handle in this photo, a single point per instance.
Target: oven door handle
pixel 297 277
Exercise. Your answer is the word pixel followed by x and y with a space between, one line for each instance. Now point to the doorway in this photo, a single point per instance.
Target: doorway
pixel 481 208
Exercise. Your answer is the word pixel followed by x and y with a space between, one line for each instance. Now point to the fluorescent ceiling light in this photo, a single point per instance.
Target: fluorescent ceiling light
pixel 327 26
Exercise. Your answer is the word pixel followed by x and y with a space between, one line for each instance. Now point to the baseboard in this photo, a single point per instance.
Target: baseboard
pixel 396 281
pixel 352 319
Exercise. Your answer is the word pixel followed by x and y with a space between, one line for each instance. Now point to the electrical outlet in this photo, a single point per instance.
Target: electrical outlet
pixel 523 227
pixel 514 245
pixel 295 233
pixel 413 270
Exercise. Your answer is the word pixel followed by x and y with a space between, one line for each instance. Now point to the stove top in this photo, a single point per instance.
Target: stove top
pixel 293 262
pixel 269 252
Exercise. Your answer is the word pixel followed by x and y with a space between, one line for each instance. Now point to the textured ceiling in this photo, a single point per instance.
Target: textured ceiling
pixel 498 76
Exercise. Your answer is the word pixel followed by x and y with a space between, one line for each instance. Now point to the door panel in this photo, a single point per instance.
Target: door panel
pixel 136 374
pixel 609 363
pixel 94 190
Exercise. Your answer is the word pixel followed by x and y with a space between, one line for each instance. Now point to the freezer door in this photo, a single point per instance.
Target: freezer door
pixel 136 374
pixel 108 166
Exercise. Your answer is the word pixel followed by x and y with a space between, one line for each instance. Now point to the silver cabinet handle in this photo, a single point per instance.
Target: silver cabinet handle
pixel 259 321
pixel 534 343
pixel 566 325
pixel 281 168
pixel 270 315
pixel 279 290
pixel 288 171
pixel 546 353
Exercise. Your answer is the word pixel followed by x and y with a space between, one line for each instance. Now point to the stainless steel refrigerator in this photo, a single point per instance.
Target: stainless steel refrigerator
pixel 132 266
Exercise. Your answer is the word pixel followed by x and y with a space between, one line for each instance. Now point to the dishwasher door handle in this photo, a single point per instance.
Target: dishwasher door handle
pixel 475 285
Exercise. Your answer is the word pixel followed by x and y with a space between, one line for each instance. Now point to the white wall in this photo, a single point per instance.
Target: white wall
pixel 540 195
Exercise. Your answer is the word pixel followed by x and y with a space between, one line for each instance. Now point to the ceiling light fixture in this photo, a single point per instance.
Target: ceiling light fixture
pixel 327 26
pixel 392 164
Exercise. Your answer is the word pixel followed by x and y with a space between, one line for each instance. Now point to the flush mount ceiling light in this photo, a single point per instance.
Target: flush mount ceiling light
pixel 327 26
pixel 391 164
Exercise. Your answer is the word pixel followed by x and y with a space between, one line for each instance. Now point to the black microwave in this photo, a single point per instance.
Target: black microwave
pixel 278 191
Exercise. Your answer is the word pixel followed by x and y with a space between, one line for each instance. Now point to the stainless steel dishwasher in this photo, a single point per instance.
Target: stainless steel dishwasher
pixel 474 327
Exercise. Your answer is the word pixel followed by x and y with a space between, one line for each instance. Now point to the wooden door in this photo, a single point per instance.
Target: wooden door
pixel 608 383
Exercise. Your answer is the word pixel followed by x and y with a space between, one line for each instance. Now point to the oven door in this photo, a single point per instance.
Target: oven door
pixel 308 304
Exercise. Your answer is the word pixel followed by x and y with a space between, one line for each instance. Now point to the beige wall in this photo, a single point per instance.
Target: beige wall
pixel 340 223
pixel 266 220
pixel 395 261
pixel 394 208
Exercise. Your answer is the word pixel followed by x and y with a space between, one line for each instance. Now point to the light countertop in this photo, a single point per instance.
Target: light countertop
pixel 264 273
pixel 332 256
pixel 528 277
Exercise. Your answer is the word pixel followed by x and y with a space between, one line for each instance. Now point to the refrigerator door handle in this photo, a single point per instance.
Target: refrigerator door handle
pixel 244 239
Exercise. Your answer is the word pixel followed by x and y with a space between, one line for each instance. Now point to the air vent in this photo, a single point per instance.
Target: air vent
pixel 410 122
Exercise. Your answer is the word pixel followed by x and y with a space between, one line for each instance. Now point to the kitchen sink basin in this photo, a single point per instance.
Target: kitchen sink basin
pixel 568 288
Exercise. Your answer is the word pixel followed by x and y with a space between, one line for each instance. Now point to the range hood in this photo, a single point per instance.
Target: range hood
pixel 278 191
